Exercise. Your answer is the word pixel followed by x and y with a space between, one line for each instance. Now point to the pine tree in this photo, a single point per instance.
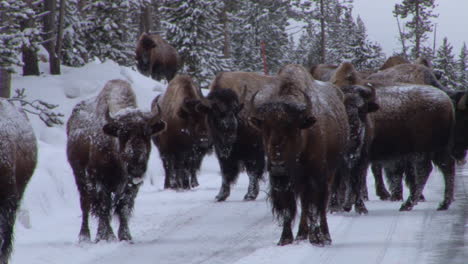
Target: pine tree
pixel 110 32
pixel 421 12
pixel 195 31
pixel 362 53
pixel 256 22
pixel 74 51
pixel 462 70
pixel 445 63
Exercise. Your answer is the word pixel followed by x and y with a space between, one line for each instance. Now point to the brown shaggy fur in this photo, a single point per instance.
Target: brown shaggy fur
pixel 108 146
pixel 18 152
pixel 393 61
pixel 185 142
pixel 305 131
pixel 156 57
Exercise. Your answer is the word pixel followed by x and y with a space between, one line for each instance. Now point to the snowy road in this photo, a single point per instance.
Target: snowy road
pixel 189 227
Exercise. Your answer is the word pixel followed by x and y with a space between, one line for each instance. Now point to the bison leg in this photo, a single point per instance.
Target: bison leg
pixel 380 189
pixel 104 231
pixel 418 173
pixel 286 235
pixel 410 181
pixel 169 172
pixel 229 171
pixel 255 168
pixel 394 171
pixel 8 208
pixel 303 231
pixel 124 210
pixel 316 235
pixel 446 164
pixel 85 202
pixel 338 192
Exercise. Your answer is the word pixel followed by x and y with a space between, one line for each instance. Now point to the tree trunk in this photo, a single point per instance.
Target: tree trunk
pixel 323 53
pixel 145 19
pixel 5 82
pixel 227 35
pixel 30 61
pixel 59 42
pixel 156 15
pixel 417 31
pixel 50 36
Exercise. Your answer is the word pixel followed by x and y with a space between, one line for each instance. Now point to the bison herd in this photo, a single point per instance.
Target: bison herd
pixel 314 132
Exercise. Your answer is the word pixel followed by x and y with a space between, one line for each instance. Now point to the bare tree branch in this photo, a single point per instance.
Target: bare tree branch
pixel 38 107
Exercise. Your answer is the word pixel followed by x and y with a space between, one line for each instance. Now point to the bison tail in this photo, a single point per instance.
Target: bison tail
pixel 8 208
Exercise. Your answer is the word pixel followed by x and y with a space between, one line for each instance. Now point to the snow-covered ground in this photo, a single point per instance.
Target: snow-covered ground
pixel 189 227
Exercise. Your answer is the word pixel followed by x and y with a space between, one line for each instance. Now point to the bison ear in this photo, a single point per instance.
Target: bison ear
pixel 111 129
pixel 158 127
pixel 256 122
pixel 372 107
pixel 307 122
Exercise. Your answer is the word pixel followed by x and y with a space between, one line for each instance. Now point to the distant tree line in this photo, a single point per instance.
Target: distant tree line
pixel 210 35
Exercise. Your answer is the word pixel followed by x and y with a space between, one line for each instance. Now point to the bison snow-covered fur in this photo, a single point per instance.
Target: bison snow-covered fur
pixel 186 140
pixel 360 100
pixel 156 58
pixel 109 142
pixel 18 158
pixel 305 132
pixel 237 144
pixel 420 73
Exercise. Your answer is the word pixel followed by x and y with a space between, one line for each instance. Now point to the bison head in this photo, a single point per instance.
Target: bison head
pixel 460 101
pixel 133 129
pixel 143 54
pixel 194 112
pixel 223 107
pixel 281 125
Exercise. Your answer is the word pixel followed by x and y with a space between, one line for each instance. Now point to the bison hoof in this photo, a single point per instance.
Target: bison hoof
pixel 361 209
pixel 250 196
pixel 422 198
pixel 84 238
pixel 285 241
pixel 396 197
pixel 347 208
pixel 194 184
pixel 443 206
pixel 109 237
pixel 221 197
pixel 125 236
pixel 407 206
pixel 317 238
pixel 384 195
pixel 301 235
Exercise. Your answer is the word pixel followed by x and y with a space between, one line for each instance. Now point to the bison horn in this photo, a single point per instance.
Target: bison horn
pixel 252 103
pixel 109 116
pixel 462 104
pixel 244 94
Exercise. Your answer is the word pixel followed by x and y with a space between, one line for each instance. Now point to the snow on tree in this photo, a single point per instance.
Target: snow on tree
pixel 194 29
pixel 108 33
pixel 421 13
pixel 11 38
pixel 362 53
pixel 445 63
pixel 74 51
pixel 462 68
pixel 256 22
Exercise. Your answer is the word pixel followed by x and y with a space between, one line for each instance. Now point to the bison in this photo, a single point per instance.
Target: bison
pixel 420 73
pixel 393 61
pixel 305 131
pixel 360 100
pixel 237 144
pixel 18 149
pixel 156 57
pixel 186 141
pixel 108 146
pixel 401 133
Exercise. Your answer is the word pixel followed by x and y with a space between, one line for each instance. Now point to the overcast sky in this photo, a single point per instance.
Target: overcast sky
pixel 381 25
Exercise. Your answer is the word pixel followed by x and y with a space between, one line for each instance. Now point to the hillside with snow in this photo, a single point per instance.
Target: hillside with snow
pixel 190 227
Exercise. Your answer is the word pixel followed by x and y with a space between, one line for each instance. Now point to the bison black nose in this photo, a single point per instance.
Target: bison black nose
pixel 205 142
